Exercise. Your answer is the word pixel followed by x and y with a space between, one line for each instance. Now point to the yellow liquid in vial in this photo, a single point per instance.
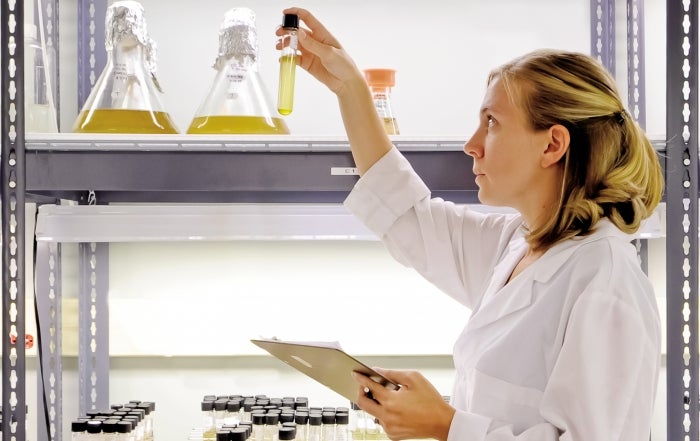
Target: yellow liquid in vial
pixel 285 96
pixel 391 126
pixel 124 121
pixel 209 434
pixel 238 125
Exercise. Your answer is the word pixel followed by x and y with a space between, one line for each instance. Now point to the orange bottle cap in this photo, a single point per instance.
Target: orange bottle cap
pixel 380 77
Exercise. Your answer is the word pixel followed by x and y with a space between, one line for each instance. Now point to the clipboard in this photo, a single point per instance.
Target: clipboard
pixel 326 363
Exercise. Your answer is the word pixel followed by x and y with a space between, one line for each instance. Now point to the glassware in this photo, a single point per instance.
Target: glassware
pixel 288 64
pixel 39 64
pixel 237 101
pixel 125 97
pixel 381 82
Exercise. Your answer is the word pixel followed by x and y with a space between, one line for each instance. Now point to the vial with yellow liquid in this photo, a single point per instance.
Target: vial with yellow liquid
pixel 125 97
pixel 288 64
pixel 381 82
pixel 237 101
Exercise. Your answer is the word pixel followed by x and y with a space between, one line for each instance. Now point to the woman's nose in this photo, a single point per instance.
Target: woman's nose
pixel 474 146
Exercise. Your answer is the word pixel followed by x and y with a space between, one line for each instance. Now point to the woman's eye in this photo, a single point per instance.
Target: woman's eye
pixel 490 121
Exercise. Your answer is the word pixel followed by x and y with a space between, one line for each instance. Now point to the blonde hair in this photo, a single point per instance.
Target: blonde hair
pixel 611 169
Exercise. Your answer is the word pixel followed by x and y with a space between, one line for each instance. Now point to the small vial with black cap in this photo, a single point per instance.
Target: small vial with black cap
pixel 288 64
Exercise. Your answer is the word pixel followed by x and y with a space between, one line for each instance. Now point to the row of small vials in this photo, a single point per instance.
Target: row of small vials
pixel 260 418
pixel 132 421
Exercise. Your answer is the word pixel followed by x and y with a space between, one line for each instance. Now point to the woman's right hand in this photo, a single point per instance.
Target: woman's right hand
pixel 321 53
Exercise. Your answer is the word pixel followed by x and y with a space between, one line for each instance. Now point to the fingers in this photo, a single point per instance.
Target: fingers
pixel 371 389
pixel 318 30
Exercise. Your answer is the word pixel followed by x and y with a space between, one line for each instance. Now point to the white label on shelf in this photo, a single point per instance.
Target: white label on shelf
pixel 341 171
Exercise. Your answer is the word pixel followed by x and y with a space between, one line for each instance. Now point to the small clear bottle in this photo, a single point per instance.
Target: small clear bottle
pixel 149 409
pixel 233 412
pixel 123 430
pixel 208 426
pixel 220 412
pixel 315 425
pixel 137 416
pixel 357 423
pixel 328 431
pixel 381 82
pixel 342 420
pixel 288 64
pixel 302 421
pixel 258 426
pixel 94 430
pixel 237 101
pixel 272 420
pixel 247 407
pixel 78 430
pixel 125 96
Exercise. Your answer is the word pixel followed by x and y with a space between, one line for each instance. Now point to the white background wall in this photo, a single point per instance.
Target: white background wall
pixel 161 293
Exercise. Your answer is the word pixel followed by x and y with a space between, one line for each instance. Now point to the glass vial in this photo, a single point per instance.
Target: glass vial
pixel 149 408
pixel 78 430
pixel 381 82
pixel 288 64
pixel 328 431
pixel 315 425
pixel 125 97
pixel 302 421
pixel 237 101
pixel 208 426
pixel 342 420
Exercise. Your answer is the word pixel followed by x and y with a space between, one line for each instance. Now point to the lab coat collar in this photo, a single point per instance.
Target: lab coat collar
pixel 502 299
pixel 550 262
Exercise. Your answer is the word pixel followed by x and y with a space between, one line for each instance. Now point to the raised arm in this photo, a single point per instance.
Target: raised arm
pixel 326 60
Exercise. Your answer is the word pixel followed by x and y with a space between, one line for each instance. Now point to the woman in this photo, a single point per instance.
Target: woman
pixel 564 337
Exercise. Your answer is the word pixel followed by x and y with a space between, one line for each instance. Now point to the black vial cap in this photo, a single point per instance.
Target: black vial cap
pixel 238 434
pixel 78 426
pixel 342 418
pixel 286 433
pixel 290 21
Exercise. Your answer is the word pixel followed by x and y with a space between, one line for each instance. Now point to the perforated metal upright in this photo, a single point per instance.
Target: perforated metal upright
pixel 603 32
pixel 682 219
pixel 12 181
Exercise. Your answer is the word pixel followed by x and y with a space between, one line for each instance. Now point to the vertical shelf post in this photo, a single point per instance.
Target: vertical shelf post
pixel 93 327
pixel 682 219
pixel 49 363
pixel 603 32
pixel 12 185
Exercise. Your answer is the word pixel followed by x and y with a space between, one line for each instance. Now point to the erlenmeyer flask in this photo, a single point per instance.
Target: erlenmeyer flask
pixel 237 101
pixel 39 64
pixel 125 97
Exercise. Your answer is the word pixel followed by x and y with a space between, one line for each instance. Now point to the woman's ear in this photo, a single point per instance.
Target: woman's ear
pixel 559 140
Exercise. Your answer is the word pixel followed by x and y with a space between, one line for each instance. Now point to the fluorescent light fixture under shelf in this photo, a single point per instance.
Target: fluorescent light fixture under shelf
pixel 210 222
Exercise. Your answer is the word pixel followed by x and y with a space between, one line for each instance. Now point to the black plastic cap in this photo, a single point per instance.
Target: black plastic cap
pixel 290 21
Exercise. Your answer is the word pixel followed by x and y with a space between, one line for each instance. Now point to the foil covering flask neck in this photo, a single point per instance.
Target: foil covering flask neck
pixel 237 101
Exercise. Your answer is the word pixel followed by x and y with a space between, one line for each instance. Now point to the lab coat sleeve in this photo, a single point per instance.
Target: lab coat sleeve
pixel 602 386
pixel 452 247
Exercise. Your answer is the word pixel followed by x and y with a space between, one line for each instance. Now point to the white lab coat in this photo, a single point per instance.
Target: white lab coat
pixel 567 350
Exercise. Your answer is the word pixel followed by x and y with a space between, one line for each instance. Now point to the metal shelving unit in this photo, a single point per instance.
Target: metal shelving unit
pixel 201 169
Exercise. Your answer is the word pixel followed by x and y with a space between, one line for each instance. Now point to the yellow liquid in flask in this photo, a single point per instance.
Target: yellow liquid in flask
pixel 238 125
pixel 124 121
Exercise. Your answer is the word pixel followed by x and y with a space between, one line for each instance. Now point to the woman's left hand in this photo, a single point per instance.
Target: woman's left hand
pixel 415 410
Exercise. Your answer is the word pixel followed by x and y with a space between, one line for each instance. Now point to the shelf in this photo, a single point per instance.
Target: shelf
pixel 212 168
